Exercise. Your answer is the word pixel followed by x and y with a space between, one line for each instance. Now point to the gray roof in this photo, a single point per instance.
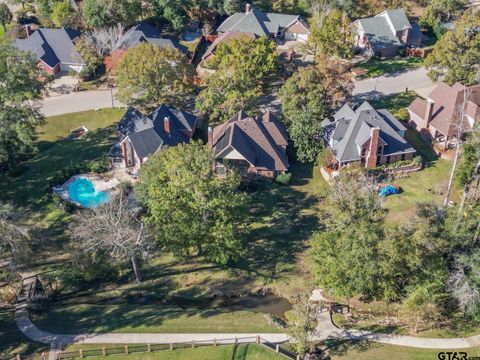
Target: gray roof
pixel 379 33
pixel 346 135
pixel 52 46
pixel 143 33
pixel 257 22
pixel 398 18
pixel 146 133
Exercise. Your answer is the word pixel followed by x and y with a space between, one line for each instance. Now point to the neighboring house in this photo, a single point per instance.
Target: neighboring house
pixel 438 117
pixel 54 49
pixel 385 33
pixel 141 136
pixel 252 146
pixel 143 33
pixel 371 137
pixel 273 25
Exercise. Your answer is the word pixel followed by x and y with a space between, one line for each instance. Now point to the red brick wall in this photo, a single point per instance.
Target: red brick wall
pixel 371 160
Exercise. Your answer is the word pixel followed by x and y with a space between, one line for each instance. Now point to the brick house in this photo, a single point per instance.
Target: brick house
pixel 384 34
pixel 53 48
pixel 140 136
pixel 253 146
pixel 438 117
pixel 371 137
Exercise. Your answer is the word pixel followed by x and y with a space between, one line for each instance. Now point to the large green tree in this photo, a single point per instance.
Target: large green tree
pixel 19 119
pixel 149 75
pixel 62 13
pixel 345 253
pixel 457 54
pixel 5 15
pixel 189 207
pixel 105 13
pixel 330 34
pixel 242 66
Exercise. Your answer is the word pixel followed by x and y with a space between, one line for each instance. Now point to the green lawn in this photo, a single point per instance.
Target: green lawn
pixel 2 32
pixel 224 352
pixel 395 102
pixel 362 350
pixel 127 318
pixel 397 65
pixel 28 189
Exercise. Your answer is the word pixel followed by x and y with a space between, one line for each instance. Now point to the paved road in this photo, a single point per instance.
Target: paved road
pixel 392 84
pixel 79 101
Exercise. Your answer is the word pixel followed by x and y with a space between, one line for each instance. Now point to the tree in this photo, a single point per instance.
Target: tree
pixel 95 13
pixel 62 13
pixel 148 75
pixel 5 15
pixel 331 34
pixel 456 55
pixel 103 41
pixel 345 252
pixel 189 207
pixel 242 66
pixel 232 6
pixel 108 13
pixel 305 131
pixel 115 229
pixel 19 118
pixel 89 54
pixel 301 321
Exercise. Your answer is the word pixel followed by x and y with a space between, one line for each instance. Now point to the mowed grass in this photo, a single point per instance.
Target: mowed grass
pixel 395 102
pixel 397 65
pixel 126 318
pixel 224 352
pixel 29 187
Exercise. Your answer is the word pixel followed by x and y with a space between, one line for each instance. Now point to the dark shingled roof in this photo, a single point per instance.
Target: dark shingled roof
pixel 52 46
pixel 147 134
pixel 348 133
pixel 260 141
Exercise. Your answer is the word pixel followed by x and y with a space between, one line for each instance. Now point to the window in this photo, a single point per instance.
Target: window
pixel 403 157
pixel 378 160
pixel 388 160
pixel 379 150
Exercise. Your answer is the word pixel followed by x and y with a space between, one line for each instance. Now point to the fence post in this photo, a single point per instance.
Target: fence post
pixel 149 348
pixel 277 348
pixel 258 339
pixel 80 353
pixel 126 349
pixel 214 342
pixel 104 351
pixel 193 344
pixel 171 346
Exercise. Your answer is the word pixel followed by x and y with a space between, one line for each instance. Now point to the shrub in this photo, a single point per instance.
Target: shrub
pixel 402 114
pixel 284 179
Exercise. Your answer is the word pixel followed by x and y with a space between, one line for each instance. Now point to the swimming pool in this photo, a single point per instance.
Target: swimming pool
pixel 83 192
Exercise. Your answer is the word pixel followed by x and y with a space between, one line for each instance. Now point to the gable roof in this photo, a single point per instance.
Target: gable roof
pixel 446 108
pixel 257 22
pixel 146 132
pixel 398 18
pixel 143 33
pixel 260 141
pixel 351 130
pixel 378 33
pixel 52 46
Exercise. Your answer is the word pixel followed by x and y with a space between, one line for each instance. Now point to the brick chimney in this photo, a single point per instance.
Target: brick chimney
pixel 429 111
pixel 210 137
pixel 166 125
pixel 28 30
pixel 371 160
pixel 248 8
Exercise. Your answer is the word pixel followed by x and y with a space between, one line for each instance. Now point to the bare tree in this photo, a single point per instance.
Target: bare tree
pixel 105 40
pixel 466 295
pixel 114 228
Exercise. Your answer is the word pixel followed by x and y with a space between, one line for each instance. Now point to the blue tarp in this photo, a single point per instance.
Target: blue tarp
pixel 388 190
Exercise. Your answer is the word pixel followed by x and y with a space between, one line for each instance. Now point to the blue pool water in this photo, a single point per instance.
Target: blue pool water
pixel 83 192
pixel 190 36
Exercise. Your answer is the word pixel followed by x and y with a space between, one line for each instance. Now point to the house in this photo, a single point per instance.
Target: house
pixel 53 48
pixel 143 33
pixel 371 137
pixel 210 52
pixel 438 117
pixel 272 25
pixel 140 136
pixel 385 33
pixel 252 146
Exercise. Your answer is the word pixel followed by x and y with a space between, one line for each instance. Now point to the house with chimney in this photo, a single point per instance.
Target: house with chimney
pixel 143 33
pixel 271 25
pixel 140 136
pixel 253 146
pixel 366 136
pixel 54 49
pixel 384 34
pixel 447 112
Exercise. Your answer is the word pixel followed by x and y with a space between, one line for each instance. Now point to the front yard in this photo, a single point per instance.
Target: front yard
pixel 387 67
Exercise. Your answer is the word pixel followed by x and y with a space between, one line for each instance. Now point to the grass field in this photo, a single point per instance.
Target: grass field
pixel 226 352
pixel 362 350
pixel 397 65
pixel 149 318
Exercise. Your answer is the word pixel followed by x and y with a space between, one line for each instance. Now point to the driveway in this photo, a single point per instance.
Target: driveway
pixel 79 101
pixel 416 80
